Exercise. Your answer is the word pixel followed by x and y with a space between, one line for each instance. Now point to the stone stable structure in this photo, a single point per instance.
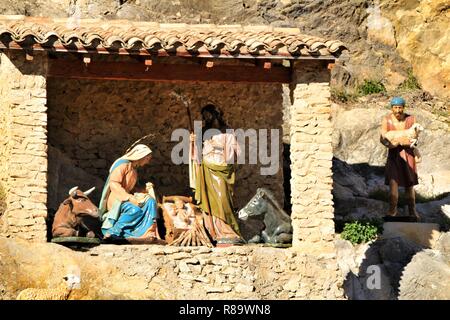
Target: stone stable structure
pixel 58 90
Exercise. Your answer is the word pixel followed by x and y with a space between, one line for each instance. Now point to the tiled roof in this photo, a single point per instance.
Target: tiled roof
pixel 164 39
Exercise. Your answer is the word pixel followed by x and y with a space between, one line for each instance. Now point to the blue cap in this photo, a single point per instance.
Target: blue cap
pixel 398 101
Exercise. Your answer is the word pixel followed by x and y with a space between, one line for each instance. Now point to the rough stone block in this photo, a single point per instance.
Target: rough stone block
pixel 243 288
pixel 425 234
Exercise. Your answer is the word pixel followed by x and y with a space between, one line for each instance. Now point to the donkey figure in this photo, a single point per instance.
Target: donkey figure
pixel 77 216
pixel 278 227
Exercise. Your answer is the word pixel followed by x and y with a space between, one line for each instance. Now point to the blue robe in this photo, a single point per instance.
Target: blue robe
pixel 126 220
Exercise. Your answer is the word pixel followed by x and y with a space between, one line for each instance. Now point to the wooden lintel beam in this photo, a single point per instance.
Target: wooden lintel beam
pixel 75 69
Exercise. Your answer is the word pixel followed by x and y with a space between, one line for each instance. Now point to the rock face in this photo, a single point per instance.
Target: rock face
pixel 424 234
pixel 427 276
pixel 422 38
pixel 385 38
pixel 383 259
pixel 405 270
pixel 28 263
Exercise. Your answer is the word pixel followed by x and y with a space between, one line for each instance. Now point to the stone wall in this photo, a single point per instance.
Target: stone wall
pixel 94 122
pixel 5 135
pixel 163 272
pixel 23 151
pixel 311 155
pixel 249 272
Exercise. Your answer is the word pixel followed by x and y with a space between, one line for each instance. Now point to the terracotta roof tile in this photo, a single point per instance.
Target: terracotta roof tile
pixel 239 40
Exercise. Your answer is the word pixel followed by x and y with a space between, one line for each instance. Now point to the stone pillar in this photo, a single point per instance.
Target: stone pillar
pixel 23 103
pixel 311 158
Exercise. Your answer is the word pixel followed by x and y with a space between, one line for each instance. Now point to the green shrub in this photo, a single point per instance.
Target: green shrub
pixel 371 87
pixel 361 231
pixel 410 83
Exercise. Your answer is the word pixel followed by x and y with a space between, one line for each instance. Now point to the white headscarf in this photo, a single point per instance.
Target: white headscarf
pixel 138 152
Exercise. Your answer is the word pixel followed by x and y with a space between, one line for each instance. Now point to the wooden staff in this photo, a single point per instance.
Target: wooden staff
pixel 177 94
pixel 150 135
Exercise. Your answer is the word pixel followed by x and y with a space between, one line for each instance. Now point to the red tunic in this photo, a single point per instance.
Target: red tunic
pixel 401 165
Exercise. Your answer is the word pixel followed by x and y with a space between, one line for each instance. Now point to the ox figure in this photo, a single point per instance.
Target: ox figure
pixel 77 216
pixel 278 227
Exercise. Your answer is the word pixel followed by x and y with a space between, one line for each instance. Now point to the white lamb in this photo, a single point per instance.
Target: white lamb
pixel 411 133
pixel 62 292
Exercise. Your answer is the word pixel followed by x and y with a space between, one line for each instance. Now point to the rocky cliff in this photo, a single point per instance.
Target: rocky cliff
pixel 422 37
pixel 385 38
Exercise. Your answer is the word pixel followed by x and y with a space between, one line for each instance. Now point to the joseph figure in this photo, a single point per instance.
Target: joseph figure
pixel 214 177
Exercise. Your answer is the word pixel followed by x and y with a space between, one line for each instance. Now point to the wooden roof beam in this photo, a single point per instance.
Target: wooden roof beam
pixel 75 69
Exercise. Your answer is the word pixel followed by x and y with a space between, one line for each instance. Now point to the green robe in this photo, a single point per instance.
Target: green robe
pixel 214 191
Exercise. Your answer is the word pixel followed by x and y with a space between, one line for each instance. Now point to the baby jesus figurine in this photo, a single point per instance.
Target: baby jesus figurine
pixel 149 193
pixel 183 222
pixel 182 214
